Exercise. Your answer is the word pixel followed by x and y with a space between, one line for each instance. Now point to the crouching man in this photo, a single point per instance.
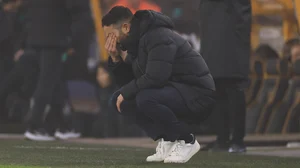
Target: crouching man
pixel 165 85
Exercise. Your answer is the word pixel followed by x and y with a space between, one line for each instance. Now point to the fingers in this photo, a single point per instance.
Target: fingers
pixel 107 43
pixel 118 105
pixel 119 101
pixel 114 43
pixel 111 43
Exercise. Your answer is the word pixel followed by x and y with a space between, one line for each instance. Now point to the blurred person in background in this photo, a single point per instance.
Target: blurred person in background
pixel 59 118
pixel 165 85
pixel 291 51
pixel 50 24
pixel 135 5
pixel 14 96
pixel 23 80
pixel 266 52
pixel 9 34
pixel 225 28
pixel 295 52
pixel 109 121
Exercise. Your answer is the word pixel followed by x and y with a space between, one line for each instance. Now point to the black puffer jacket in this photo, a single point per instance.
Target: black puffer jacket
pixel 52 22
pixel 157 56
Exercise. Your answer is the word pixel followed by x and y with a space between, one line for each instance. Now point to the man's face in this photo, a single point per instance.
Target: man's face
pixel 295 53
pixel 120 31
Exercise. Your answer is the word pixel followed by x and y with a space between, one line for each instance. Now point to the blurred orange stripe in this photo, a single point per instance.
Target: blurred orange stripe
pixel 97 15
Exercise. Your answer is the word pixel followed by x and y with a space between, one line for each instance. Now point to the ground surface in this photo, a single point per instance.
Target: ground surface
pixel 25 154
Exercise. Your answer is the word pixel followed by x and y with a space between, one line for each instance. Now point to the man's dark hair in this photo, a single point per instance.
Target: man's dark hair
pixel 115 15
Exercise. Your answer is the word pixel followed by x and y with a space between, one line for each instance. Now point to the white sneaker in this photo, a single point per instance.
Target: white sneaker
pixel 293 145
pixel 163 150
pixel 182 152
pixel 67 135
pixel 38 136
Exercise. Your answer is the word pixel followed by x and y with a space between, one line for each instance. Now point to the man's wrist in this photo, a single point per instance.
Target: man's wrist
pixel 116 59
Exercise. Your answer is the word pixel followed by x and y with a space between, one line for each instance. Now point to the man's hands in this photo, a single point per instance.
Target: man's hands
pixel 113 51
pixel 119 102
pixel 116 56
pixel 18 54
pixel 111 47
pixel 70 52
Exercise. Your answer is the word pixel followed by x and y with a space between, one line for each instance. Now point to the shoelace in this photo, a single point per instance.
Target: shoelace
pixel 177 149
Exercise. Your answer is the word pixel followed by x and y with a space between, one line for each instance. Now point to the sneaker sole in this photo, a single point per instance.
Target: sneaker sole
pixel 293 145
pixel 32 137
pixel 192 153
pixel 154 161
pixel 240 151
pixel 167 154
pixel 65 137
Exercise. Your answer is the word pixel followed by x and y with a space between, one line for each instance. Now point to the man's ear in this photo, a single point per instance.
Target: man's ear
pixel 125 27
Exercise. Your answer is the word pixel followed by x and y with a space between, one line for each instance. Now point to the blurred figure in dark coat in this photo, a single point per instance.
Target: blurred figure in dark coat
pixel 9 33
pixel 225 27
pixel 51 23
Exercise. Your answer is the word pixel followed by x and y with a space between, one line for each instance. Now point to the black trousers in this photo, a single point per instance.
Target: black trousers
pixel 27 75
pixel 22 77
pixel 55 117
pixel 230 111
pixel 39 74
pixel 158 112
pixel 48 84
pixel 6 62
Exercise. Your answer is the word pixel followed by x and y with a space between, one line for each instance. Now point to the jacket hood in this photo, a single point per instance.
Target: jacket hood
pixel 146 20
pixel 142 22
